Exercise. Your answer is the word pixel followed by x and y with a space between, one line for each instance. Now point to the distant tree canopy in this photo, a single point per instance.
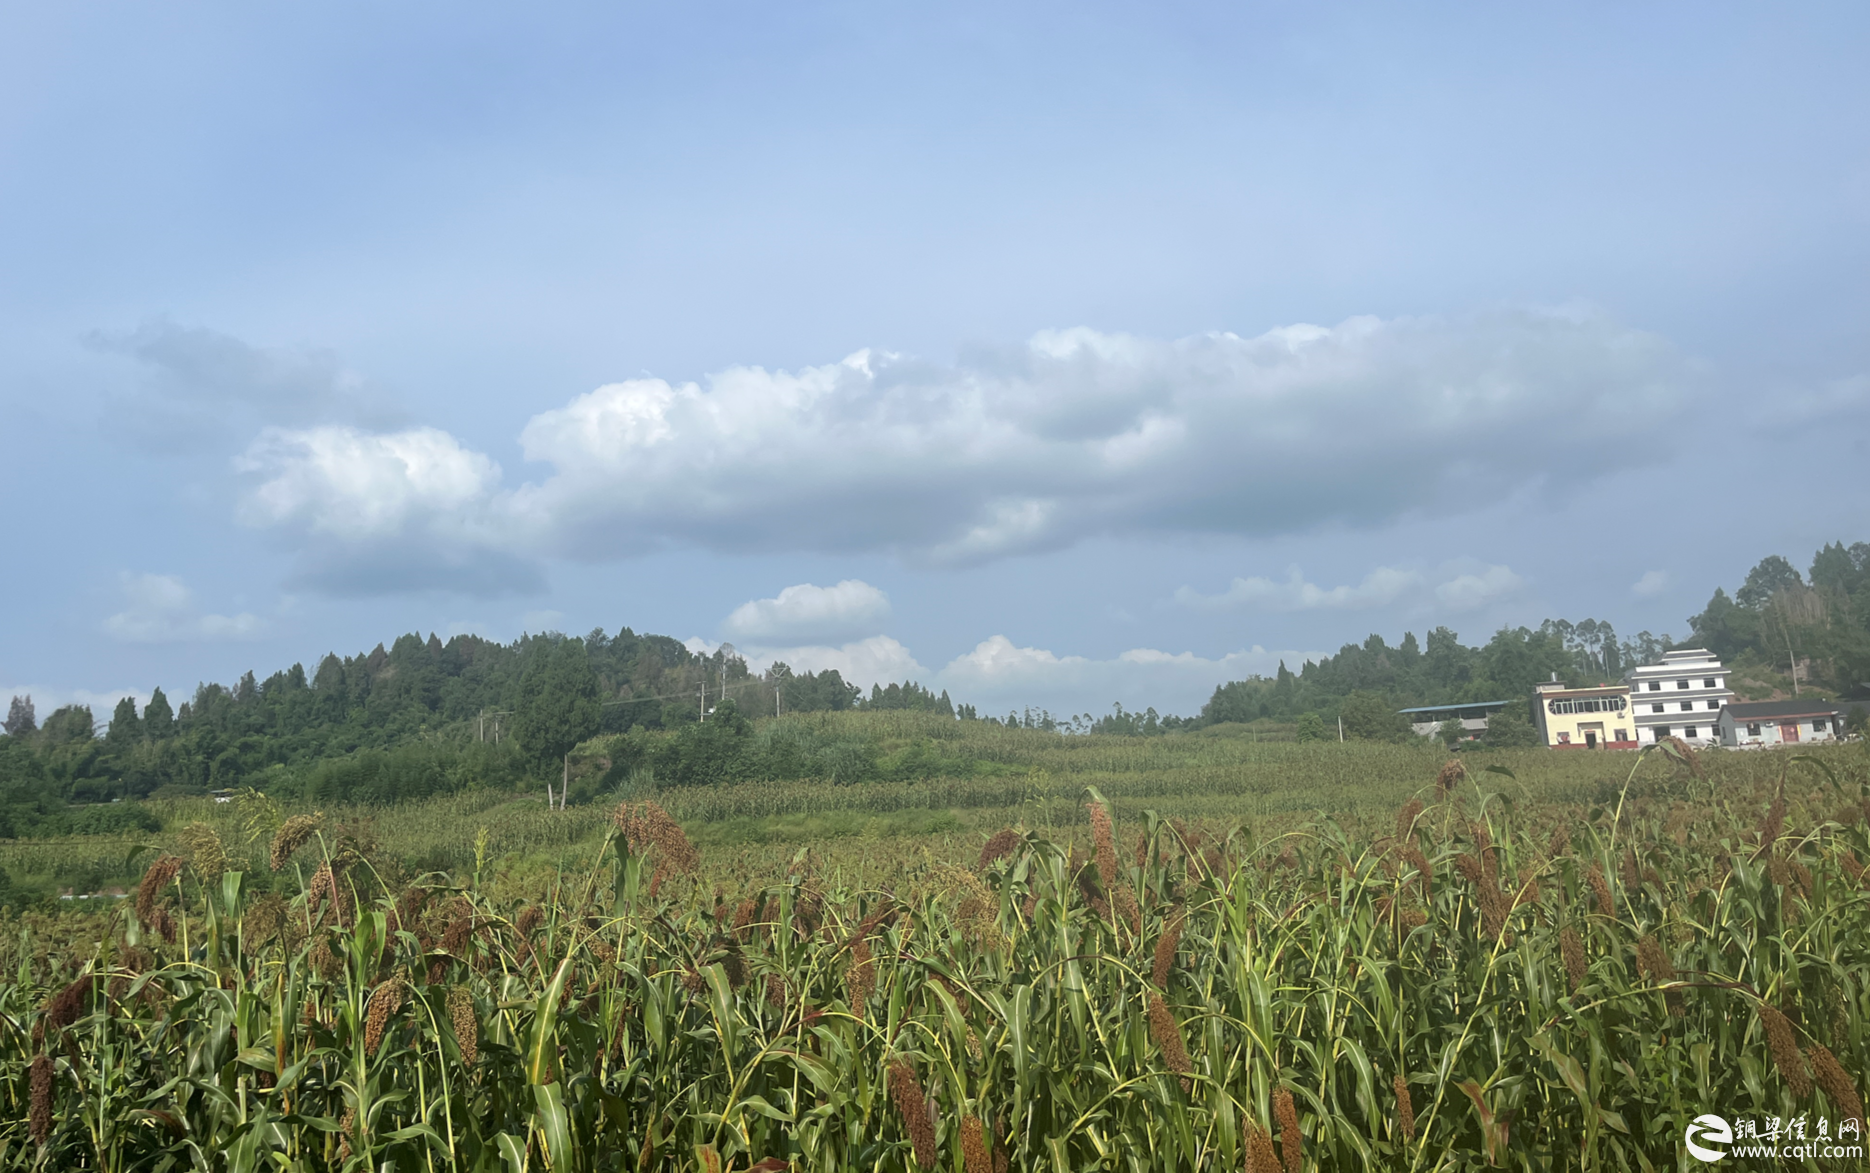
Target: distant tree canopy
pixel 420 716
pixel 1779 618
pixel 1367 683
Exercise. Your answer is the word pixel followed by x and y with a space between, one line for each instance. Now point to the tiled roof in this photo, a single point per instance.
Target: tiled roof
pixel 1774 710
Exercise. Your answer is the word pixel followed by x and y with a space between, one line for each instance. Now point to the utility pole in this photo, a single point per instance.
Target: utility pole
pixel 1340 729
pixel 564 791
pixel 704 698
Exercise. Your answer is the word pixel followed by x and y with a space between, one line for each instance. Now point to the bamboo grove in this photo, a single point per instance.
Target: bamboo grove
pixel 1489 981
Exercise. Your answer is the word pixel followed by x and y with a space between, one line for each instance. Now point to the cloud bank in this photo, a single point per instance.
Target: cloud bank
pixel 1074 434
pixel 159 608
pixel 808 612
pixel 1453 588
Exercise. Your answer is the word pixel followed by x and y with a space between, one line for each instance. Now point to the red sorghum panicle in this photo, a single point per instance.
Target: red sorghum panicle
pixel 69 1003
pixel 466 1024
pixel 1774 821
pixel 1003 844
pixel 39 1109
pixel 1260 1155
pixel 1405 1108
pixel 1166 946
pixel 291 836
pixel 974 1156
pixel 1406 817
pixel 385 1001
pixel 1785 1050
pixel 1451 774
pixel 1291 1140
pixel 1571 947
pixel 1168 1035
pixel 158 877
pixel 912 1107
pixel 1600 892
pixel 1838 1085
pixel 862 978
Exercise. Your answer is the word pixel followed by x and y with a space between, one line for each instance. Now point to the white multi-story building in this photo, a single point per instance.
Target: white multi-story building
pixel 1680 697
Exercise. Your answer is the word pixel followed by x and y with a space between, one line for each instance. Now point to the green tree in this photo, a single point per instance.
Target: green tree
pixel 1369 716
pixel 1771 576
pixel 558 704
pixel 158 717
pixel 1311 727
pixel 124 726
pixel 1511 728
pixel 1451 733
pixel 20 720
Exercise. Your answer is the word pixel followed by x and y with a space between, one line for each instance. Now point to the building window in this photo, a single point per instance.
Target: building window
pixel 1655 686
pixel 1753 729
pixel 1564 739
pixel 1688 706
pixel 1688 731
pixel 1818 726
pixel 1662 731
pixel 1714 704
pixel 1681 684
pixel 1708 683
pixel 1655 708
pixel 1623 735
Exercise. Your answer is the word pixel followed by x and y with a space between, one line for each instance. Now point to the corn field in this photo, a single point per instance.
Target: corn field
pixel 1477 980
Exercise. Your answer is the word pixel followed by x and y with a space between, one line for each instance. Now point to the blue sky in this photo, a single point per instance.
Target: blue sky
pixel 1055 354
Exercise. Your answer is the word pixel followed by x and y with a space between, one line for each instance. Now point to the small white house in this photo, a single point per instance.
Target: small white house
pixel 1768 723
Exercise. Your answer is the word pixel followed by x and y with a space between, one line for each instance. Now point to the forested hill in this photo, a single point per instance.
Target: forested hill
pixel 423 716
pixel 1777 621
pixel 417 717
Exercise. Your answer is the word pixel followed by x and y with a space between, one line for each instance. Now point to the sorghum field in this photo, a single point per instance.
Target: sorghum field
pixel 1142 955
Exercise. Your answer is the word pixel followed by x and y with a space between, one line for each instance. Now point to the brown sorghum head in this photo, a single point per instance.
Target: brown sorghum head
pixel 1260 1155
pixel 974 1156
pixel 1571 947
pixel 1600 892
pixel 69 1003
pixel 158 877
pixel 1291 1140
pixel 291 836
pixel 862 978
pixel 385 1001
pixel 39 1110
pixel 1103 836
pixel 1838 1085
pixel 1785 1050
pixel 912 1108
pixel 466 1024
pixel 1450 775
pixel 1406 817
pixel 1166 946
pixel 646 825
pixel 1168 1036
pixel 1003 844
pixel 1405 1108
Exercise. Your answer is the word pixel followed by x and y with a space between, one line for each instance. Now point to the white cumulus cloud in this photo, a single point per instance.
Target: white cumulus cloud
pixel 355 485
pixel 1653 583
pixel 1470 592
pixel 1076 433
pixel 807 612
pixel 1380 587
pixel 159 608
pixel 998 675
pixel 878 659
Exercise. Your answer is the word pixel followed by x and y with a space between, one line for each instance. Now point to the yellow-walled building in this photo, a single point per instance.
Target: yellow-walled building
pixel 1586 718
